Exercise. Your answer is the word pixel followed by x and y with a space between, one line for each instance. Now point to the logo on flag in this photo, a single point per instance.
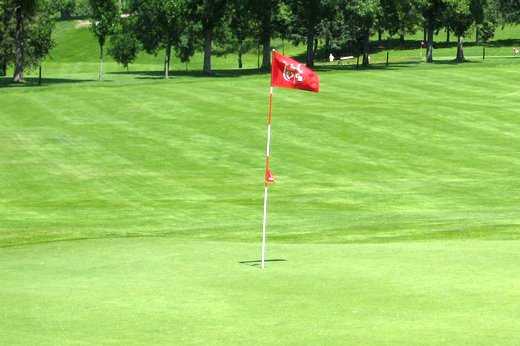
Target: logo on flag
pixel 289 73
pixel 293 73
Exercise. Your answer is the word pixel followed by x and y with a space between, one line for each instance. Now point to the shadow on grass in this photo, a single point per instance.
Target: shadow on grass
pixel 236 73
pixel 396 44
pixel 373 66
pixel 257 263
pixel 454 62
pixel 231 73
pixel 7 82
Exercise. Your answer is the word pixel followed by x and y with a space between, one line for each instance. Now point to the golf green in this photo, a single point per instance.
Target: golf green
pixel 165 291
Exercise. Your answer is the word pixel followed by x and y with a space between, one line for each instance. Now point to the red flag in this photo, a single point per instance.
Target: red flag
pixel 289 73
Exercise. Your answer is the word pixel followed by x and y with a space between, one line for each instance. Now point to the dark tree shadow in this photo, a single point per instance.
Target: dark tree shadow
pixel 6 82
pixel 230 73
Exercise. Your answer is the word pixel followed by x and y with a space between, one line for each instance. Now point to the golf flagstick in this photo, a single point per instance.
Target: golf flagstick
pixel 291 74
pixel 268 178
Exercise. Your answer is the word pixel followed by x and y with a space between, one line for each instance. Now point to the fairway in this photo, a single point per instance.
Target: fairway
pixel 363 161
pixel 131 209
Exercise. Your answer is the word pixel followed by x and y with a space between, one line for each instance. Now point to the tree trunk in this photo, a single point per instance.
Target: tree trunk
pixel 401 39
pixel 208 40
pixel 266 56
pixel 460 49
pixel 258 55
pixel 310 49
pixel 266 37
pixel 164 63
pixel 425 34
pixel 167 60
pixel 240 48
pixel 101 60
pixel 328 44
pixel 19 47
pixel 448 35
pixel 429 52
pixel 477 35
pixel 379 36
pixel 366 49
pixel 3 68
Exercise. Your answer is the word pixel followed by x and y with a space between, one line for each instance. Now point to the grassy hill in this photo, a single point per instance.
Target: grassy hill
pixel 77 52
pixel 130 210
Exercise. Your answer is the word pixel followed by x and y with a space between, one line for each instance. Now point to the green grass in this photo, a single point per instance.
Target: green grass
pixel 126 206
pixel 162 291
pixel 77 52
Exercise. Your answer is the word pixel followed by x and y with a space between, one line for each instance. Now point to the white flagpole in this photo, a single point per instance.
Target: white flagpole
pixel 267 168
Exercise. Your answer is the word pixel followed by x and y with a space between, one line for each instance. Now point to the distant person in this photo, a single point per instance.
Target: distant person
pixel 516 51
pixel 331 57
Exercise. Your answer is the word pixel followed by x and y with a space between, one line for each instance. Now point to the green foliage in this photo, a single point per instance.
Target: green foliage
pixel 25 34
pixel 400 16
pixel 105 15
pixel 241 29
pixel 39 34
pixel 461 17
pixel 362 16
pixel 185 45
pixel 207 15
pixel 307 17
pixel 65 8
pixel 71 8
pixel 509 10
pixel 124 45
pixel 158 23
pixel 487 31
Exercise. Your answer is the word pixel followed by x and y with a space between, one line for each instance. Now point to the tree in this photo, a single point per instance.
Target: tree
pixel 25 35
pixel 242 26
pixel 477 11
pixel 486 13
pixel 400 17
pixel 362 16
pixel 40 35
pixel 282 22
pixel 308 15
pixel 159 24
pixel 65 8
pixel 509 10
pixel 105 15
pixel 24 10
pixel 264 11
pixel 4 37
pixel 124 45
pixel 332 29
pixel 432 12
pixel 185 46
pixel 461 19
pixel 209 14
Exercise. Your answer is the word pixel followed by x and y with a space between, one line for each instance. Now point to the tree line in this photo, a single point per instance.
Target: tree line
pixel 183 27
